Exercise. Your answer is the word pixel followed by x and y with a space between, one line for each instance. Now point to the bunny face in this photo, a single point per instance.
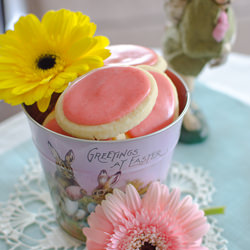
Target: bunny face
pixel 105 183
pixel 63 166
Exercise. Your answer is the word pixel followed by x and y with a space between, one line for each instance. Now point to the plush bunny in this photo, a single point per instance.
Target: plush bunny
pixel 198 32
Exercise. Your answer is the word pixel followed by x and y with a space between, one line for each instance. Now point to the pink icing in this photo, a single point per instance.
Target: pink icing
pixel 53 125
pixel 105 95
pixel 163 111
pixel 130 55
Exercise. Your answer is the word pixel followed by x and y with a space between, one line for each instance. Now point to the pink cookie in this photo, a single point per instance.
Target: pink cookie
pixel 51 123
pixel 133 55
pixel 166 108
pixel 106 102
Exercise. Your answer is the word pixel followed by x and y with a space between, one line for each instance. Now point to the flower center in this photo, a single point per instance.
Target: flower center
pixel 46 61
pixel 147 246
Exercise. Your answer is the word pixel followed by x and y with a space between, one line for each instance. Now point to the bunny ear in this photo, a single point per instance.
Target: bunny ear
pixel 54 152
pixel 103 172
pixel 102 177
pixel 69 157
pixel 115 178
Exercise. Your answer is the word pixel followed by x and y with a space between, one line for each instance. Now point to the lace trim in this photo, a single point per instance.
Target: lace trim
pixel 27 219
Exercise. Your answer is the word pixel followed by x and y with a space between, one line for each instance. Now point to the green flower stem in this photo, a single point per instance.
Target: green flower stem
pixel 214 210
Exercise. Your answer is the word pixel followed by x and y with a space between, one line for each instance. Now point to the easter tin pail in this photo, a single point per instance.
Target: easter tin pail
pixel 81 172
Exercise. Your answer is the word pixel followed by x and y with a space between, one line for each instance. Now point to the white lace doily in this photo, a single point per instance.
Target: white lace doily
pixel 27 219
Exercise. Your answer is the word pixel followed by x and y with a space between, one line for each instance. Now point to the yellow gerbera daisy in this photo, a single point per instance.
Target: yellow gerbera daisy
pixel 40 58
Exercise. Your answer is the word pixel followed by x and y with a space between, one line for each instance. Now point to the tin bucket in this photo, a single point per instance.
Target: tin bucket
pixel 81 172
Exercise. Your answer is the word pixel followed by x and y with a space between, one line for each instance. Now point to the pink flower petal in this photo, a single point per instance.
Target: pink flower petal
pixel 96 236
pixel 186 202
pixel 200 230
pixel 197 248
pixel 119 200
pixel 164 196
pixel 184 215
pixel 92 245
pixel 114 212
pixel 151 199
pixel 119 194
pixel 196 214
pixel 116 202
pixel 174 199
pixel 133 199
pixel 100 223
pixel 186 211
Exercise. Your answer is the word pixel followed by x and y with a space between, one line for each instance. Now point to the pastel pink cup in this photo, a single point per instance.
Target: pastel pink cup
pixel 81 172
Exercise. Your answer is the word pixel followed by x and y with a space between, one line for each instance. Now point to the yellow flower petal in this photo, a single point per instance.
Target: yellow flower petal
pixel 92 61
pixel 46 80
pixel 43 104
pixel 50 91
pixel 58 22
pixel 66 25
pixel 82 20
pixel 56 83
pixel 41 91
pixel 102 41
pixel 62 79
pixel 15 100
pixel 98 49
pixel 60 90
pixel 9 83
pixel 84 27
pixel 81 46
pixel 4 94
pixel 81 67
pixel 22 89
pixel 29 29
pixel 79 32
pixel 102 53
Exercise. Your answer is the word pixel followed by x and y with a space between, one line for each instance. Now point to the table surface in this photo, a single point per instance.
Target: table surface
pixel 224 95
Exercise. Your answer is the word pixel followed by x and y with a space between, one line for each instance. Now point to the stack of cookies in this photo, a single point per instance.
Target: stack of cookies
pixel 131 96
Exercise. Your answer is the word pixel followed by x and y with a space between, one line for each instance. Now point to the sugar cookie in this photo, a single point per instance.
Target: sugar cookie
pixel 106 102
pixel 133 55
pixel 166 108
pixel 51 123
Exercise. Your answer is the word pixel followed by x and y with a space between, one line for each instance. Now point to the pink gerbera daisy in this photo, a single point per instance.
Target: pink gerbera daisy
pixel 158 221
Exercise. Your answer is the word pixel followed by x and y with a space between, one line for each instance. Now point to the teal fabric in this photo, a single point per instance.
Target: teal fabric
pixel 225 155
pixel 12 163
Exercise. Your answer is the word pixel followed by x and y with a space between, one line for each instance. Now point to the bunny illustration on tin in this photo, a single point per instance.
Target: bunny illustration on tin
pixel 67 190
pixel 105 184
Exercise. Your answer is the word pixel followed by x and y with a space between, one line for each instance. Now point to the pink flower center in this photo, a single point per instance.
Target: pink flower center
pixel 148 238
pixel 147 246
pixel 144 231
